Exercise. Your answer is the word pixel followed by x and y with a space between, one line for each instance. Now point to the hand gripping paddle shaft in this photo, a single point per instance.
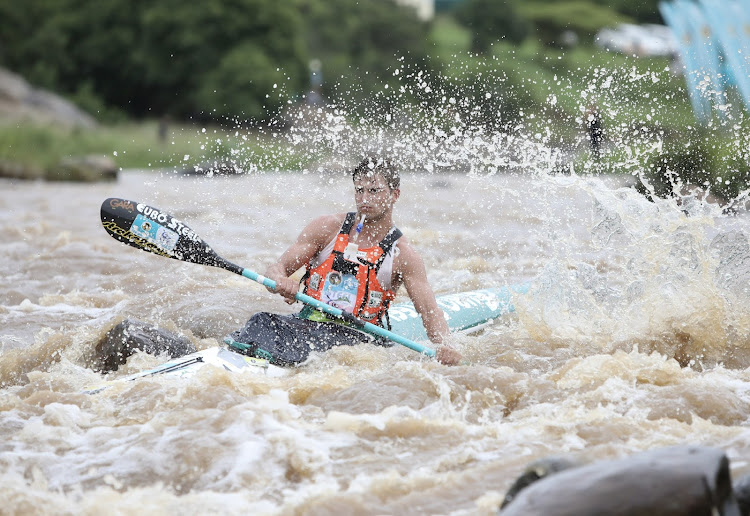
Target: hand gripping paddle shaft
pixel 155 231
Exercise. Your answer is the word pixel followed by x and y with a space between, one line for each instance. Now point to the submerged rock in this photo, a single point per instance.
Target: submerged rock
pixel 537 470
pixel 742 493
pixel 214 168
pixel 84 168
pixel 13 170
pixel 130 336
pixel 676 481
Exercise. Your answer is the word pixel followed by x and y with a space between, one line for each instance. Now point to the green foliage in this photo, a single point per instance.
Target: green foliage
pixel 729 154
pixel 490 21
pixel 712 159
pixel 239 84
pixel 208 59
pixel 86 98
pixel 585 18
pixel 678 166
pixel 734 178
pixel 37 148
pixel 245 59
pixel 642 11
pixel 153 57
pixel 130 145
pixel 28 46
pixel 472 94
pixel 361 43
pixel 185 44
pixel 496 88
pixel 447 36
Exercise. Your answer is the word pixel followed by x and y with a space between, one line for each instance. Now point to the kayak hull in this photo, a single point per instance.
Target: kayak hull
pixel 465 311
pixel 188 365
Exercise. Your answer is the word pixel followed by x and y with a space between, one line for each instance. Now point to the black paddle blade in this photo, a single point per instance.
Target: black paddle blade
pixel 155 231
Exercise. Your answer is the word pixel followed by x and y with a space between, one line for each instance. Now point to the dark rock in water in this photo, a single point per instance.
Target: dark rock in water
pixel 742 493
pixel 677 481
pixel 441 183
pixel 84 168
pixel 537 470
pixel 78 168
pixel 14 170
pixel 130 336
pixel 215 168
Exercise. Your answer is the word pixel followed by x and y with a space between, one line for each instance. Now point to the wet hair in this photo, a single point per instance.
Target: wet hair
pixel 373 165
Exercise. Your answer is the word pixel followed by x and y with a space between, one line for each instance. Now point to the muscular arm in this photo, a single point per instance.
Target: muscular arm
pixel 414 276
pixel 310 241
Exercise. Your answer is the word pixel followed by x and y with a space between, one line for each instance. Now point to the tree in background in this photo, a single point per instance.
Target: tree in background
pixel 208 59
pixel 583 17
pixel 246 58
pixel 514 20
pixel 642 11
pixel 490 21
pixel 361 43
pixel 221 58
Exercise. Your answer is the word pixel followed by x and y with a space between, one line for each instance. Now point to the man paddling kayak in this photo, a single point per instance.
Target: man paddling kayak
pixel 352 274
pixel 356 262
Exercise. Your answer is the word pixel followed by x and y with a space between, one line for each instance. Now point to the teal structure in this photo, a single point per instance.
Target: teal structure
pixel 463 311
pixel 714 41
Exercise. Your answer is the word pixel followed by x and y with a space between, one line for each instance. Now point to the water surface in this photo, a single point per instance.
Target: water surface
pixel 635 335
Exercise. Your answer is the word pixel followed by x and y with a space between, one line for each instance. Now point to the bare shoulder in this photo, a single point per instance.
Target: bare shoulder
pixel 408 257
pixel 322 229
pixel 331 221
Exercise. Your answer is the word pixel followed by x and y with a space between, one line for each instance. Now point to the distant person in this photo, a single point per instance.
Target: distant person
pixel 314 97
pixel 594 129
pixel 163 128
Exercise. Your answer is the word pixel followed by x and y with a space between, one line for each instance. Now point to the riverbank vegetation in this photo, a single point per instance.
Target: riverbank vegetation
pixel 147 144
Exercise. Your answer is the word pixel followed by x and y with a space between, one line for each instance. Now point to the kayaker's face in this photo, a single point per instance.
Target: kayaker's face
pixel 373 196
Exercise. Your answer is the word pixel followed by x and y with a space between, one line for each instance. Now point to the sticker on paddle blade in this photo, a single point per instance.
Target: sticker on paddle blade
pixel 147 228
pixel 155 233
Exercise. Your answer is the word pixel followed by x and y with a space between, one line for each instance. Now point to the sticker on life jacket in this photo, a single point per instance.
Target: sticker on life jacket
pixel 375 299
pixel 315 281
pixel 340 291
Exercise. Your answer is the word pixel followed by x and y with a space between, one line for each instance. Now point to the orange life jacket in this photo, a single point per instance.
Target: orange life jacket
pixel 353 286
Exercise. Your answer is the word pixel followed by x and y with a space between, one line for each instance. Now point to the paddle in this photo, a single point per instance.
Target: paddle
pixel 155 231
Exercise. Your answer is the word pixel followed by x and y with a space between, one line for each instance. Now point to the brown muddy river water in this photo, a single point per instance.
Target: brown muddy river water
pixel 635 335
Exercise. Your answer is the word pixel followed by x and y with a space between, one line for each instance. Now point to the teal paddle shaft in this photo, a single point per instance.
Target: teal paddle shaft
pixel 336 312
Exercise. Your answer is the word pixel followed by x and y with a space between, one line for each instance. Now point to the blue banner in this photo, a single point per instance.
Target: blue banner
pixel 676 19
pixel 714 39
pixel 731 25
pixel 708 49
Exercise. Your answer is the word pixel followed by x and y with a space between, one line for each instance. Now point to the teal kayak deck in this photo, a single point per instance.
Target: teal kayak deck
pixel 463 311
